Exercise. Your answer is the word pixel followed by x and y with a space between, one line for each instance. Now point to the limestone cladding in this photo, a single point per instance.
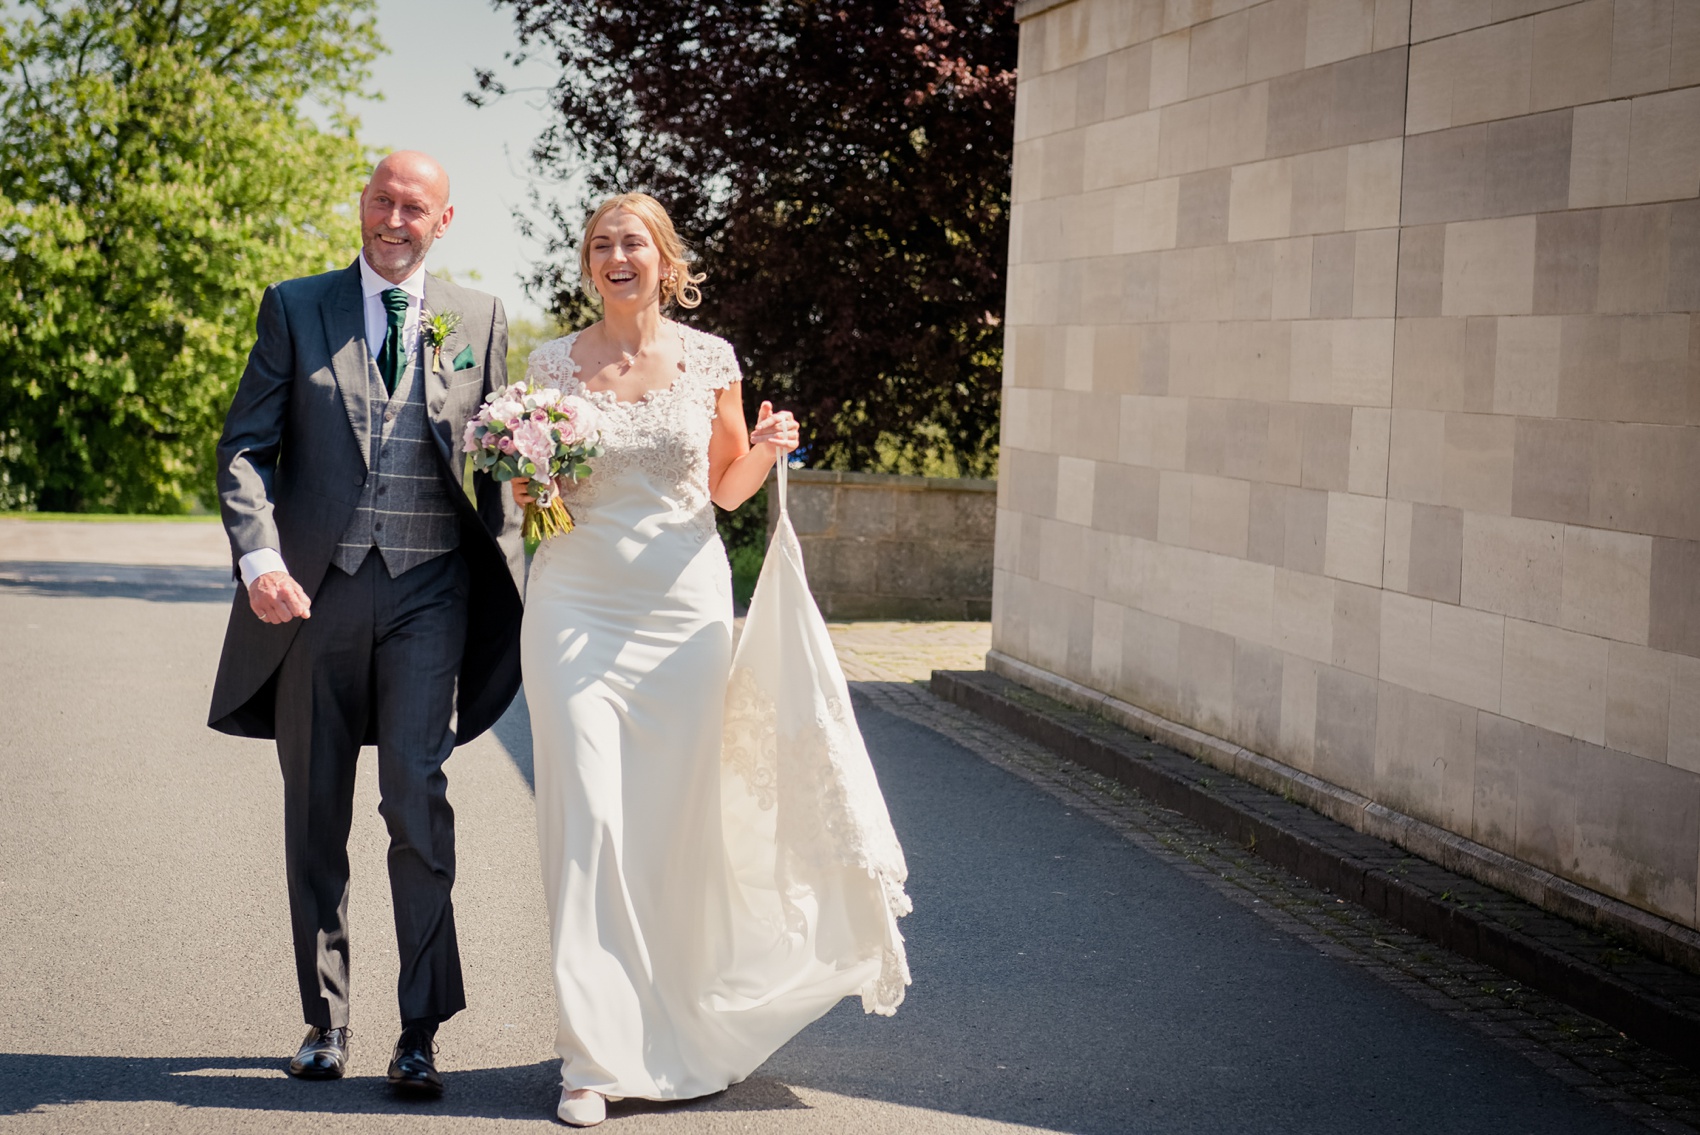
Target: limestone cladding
pixel 1352 401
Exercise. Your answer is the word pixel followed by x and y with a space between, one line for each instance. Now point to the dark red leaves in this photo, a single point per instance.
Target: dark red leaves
pixel 844 172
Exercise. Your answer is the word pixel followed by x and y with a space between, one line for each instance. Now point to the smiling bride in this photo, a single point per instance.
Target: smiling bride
pixel 693 932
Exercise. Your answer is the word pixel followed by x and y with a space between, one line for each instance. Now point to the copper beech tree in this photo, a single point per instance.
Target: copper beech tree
pixel 843 170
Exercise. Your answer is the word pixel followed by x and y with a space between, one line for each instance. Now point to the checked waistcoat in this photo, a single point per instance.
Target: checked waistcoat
pixel 405 510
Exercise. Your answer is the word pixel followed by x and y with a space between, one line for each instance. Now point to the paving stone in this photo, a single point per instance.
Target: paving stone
pixel 908 651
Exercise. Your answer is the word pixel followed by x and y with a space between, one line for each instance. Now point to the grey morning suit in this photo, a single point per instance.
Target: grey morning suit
pixel 360 491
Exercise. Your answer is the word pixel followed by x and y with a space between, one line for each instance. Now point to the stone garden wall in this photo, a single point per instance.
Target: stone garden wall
pixel 887 547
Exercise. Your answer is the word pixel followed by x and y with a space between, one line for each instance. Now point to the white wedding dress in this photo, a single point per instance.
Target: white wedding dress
pixel 718 861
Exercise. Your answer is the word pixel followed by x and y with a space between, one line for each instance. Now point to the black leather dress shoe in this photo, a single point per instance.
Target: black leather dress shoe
pixel 323 1055
pixel 413 1068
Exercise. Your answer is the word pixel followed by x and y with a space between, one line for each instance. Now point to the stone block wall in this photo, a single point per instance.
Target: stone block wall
pixel 1352 401
pixel 880 546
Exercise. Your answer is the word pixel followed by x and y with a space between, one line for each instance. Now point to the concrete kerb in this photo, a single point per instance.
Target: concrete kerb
pixel 1652 1001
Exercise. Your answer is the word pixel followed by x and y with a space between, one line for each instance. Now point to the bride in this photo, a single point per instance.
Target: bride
pixel 688 945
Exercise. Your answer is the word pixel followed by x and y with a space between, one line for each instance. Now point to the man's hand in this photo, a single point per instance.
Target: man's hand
pixel 277 598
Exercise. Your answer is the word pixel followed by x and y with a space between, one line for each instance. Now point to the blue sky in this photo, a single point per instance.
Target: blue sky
pixel 435 45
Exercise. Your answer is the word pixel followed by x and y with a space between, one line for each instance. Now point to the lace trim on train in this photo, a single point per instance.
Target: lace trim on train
pixel 826 818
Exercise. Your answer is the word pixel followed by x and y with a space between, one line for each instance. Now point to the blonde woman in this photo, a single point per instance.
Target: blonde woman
pixel 674 978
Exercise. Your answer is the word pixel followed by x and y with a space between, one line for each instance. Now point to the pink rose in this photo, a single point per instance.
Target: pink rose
pixel 536 444
pixel 506 445
pixel 581 419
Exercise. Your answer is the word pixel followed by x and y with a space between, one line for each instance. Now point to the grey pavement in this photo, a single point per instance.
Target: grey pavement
pixel 193 543
pixel 1067 978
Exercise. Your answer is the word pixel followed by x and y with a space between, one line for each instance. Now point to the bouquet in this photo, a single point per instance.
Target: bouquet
pixel 540 433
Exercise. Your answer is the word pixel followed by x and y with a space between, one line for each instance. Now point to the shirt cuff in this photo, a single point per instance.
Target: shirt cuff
pixel 258 563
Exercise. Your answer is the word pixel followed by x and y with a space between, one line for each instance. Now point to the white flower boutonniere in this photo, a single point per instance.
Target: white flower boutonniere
pixel 436 327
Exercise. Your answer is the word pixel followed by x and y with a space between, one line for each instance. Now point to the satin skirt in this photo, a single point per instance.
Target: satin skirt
pixel 674 976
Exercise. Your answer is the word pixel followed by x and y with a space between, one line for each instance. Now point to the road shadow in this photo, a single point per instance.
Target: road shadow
pixel 252 1083
pixel 168 584
pixel 513 732
pixel 1065 979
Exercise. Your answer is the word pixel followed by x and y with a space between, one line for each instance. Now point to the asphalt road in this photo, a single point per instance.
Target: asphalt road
pixel 1065 980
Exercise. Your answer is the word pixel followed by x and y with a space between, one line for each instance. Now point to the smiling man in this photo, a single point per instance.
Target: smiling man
pixel 362 563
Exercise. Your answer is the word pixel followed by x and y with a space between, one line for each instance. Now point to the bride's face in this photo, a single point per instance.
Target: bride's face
pixel 624 262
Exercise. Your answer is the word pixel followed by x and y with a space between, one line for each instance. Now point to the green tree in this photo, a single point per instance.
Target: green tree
pixel 158 168
pixel 843 170
pixel 526 335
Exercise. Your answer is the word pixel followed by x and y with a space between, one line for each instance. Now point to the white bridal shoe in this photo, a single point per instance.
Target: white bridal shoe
pixel 582 1108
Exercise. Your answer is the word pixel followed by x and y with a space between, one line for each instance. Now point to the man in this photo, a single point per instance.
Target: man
pixel 362 564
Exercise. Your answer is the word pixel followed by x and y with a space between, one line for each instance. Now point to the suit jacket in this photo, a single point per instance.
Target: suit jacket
pixel 292 461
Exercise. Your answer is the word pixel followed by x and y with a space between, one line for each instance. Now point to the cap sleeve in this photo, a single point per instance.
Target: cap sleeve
pixel 552 364
pixel 713 361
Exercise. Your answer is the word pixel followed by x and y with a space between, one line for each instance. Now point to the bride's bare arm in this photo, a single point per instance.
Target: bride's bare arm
pixel 738 462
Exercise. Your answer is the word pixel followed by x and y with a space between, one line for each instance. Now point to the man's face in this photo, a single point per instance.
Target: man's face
pixel 403 209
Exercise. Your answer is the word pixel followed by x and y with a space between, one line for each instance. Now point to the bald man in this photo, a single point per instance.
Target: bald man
pixel 362 564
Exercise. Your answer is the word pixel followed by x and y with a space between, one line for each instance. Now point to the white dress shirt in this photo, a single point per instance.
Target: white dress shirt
pixel 372 289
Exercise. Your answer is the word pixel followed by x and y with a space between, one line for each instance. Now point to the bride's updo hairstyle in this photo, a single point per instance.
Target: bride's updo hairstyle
pixel 677 284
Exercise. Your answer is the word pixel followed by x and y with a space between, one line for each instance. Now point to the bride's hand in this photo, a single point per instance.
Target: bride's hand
pixel 776 429
pixel 522 491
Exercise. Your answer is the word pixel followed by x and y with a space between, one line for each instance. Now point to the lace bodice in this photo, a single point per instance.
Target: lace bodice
pixel 661 438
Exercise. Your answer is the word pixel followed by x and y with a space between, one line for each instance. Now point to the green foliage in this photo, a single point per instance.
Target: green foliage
pixel 111 517
pixel 744 533
pixel 843 173
pixel 157 171
pixel 927 451
pixel 746 569
pixel 526 335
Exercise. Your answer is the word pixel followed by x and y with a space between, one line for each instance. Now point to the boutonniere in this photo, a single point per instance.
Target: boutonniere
pixel 436 327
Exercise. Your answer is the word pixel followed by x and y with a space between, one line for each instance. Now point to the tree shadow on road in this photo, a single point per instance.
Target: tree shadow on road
pixel 117 581
pixel 249 1083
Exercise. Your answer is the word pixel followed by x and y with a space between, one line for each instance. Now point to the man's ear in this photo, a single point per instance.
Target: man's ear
pixel 448 215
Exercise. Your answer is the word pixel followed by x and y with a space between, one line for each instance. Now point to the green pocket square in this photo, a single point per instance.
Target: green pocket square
pixel 465 359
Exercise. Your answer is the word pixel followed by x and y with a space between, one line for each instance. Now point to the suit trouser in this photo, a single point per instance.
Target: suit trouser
pixel 386 652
